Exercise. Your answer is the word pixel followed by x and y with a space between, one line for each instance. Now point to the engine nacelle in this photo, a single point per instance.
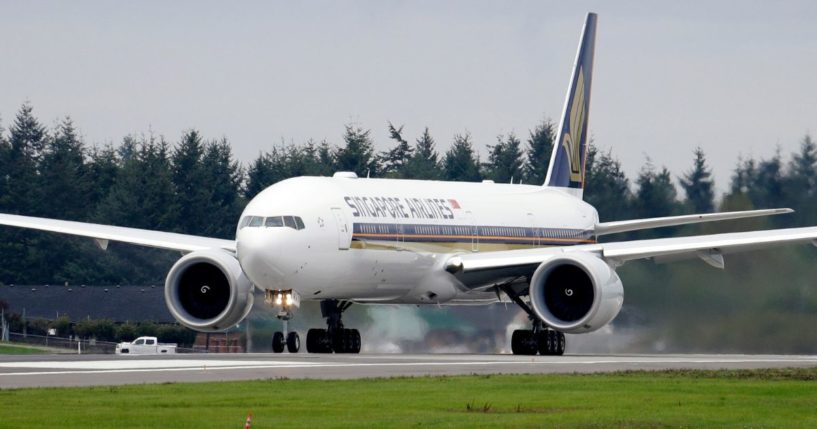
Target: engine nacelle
pixel 576 293
pixel 207 291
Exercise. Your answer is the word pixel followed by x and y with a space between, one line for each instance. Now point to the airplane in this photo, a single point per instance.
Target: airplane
pixel 346 240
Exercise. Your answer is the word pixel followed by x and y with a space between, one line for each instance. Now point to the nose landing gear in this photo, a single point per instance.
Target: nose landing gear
pixel 287 302
pixel 335 338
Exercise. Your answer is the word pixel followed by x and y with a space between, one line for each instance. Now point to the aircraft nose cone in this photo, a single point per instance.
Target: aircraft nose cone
pixel 257 253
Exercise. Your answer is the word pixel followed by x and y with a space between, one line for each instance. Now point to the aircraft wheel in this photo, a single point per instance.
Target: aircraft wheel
pixel 561 344
pixel 293 342
pixel 354 343
pixel 523 342
pixel 278 342
pixel 316 341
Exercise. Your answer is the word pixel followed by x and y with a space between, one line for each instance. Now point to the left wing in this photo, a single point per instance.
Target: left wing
pixel 104 233
pixel 475 268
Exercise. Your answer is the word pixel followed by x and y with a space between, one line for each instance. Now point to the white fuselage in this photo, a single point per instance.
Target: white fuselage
pixel 385 240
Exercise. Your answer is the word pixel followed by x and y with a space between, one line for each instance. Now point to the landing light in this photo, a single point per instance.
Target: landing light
pixel 286 299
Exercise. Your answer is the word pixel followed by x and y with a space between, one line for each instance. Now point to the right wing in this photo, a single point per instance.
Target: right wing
pixel 104 233
pixel 481 268
pixel 604 228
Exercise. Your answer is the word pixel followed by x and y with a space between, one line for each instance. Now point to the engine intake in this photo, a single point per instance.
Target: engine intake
pixel 207 291
pixel 576 293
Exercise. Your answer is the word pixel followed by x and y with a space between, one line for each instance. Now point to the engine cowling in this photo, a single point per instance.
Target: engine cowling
pixel 207 291
pixel 576 293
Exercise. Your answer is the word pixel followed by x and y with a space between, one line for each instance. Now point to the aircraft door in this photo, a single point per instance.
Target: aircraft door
pixel 344 233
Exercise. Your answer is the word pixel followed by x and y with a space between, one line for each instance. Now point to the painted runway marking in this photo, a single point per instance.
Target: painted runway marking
pixel 93 367
pixel 141 364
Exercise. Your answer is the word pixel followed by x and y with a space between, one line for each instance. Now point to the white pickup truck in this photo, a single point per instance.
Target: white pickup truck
pixel 145 346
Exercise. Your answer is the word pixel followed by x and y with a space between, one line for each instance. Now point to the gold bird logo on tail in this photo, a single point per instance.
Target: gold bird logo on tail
pixel 572 139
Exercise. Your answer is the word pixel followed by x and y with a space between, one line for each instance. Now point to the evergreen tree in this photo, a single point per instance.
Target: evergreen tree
pixel 26 142
pixel 699 186
pixel 259 175
pixel 19 252
pixel 223 178
pixel 801 183
pixel 102 170
pixel 743 177
pixel 64 181
pixel 461 163
pixel 395 160
pixel 143 194
pixel 656 195
pixel 540 147
pixel 190 180
pixel 5 152
pixel 606 187
pixel 425 163
pixel 326 159
pixel 767 189
pixel 504 160
pixel 358 153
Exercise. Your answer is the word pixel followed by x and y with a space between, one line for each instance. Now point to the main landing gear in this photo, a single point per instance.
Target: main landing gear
pixel 335 338
pixel 287 302
pixel 540 339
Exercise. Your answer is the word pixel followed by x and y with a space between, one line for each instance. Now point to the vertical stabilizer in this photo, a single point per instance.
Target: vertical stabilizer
pixel 567 163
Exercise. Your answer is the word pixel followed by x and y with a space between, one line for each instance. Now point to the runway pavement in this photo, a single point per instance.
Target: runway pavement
pixel 95 370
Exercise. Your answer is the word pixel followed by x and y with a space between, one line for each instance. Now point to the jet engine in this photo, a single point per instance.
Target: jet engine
pixel 576 293
pixel 207 291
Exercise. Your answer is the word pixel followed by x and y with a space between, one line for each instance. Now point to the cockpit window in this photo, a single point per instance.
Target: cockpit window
pixel 274 221
pixel 256 221
pixel 244 222
pixel 294 222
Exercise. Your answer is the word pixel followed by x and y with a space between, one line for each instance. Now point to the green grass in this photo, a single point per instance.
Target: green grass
pixel 765 398
pixel 15 349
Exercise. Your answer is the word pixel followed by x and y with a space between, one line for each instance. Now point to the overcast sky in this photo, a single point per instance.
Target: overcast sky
pixel 734 77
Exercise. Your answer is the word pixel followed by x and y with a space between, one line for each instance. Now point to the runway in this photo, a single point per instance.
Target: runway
pixel 100 370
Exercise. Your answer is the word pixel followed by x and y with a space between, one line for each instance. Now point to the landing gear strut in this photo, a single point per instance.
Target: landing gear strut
pixel 335 338
pixel 287 302
pixel 540 339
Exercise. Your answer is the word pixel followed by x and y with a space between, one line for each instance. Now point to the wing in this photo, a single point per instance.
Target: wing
pixel 104 233
pixel 658 222
pixel 479 269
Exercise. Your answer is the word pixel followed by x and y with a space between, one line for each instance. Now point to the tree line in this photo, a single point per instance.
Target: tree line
pixel 195 186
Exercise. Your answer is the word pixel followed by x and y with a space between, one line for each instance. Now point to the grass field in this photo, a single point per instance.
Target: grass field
pixel 14 349
pixel 766 398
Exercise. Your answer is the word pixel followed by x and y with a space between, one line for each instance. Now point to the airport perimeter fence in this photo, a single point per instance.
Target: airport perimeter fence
pixel 75 345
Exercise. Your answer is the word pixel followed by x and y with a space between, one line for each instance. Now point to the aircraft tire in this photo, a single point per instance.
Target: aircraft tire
pixel 293 342
pixel 561 344
pixel 278 342
pixel 355 342
pixel 316 341
pixel 523 342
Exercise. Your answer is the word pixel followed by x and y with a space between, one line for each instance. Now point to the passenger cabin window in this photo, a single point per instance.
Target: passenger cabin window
pixel 150 342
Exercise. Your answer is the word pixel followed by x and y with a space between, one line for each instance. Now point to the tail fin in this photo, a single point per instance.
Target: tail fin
pixel 567 163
